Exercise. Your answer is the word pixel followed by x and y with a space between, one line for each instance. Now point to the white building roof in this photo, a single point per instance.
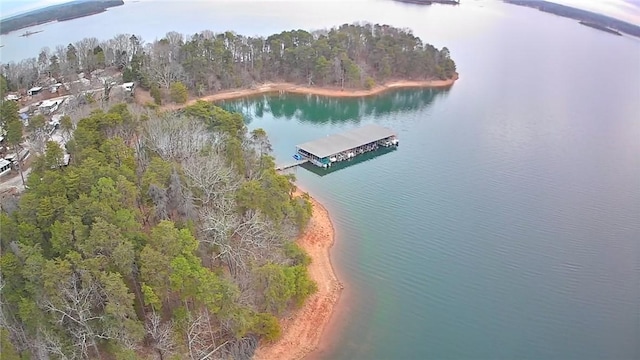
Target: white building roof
pixel 49 103
pixel 336 143
pixel 4 162
pixel 36 88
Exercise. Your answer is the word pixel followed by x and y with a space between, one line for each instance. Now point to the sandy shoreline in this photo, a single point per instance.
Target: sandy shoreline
pixel 302 330
pixel 142 96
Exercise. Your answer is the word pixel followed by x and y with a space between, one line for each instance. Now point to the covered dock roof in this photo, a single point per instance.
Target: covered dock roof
pixel 337 143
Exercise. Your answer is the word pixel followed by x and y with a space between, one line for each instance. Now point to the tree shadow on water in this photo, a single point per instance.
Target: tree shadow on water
pixel 322 110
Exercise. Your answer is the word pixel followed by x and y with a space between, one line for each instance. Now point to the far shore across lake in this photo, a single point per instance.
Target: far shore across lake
pixel 143 97
pixel 303 329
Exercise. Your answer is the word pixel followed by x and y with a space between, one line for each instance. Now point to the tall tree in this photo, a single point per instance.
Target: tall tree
pixel 10 118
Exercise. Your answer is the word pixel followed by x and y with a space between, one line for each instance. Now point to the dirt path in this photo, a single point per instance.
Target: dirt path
pixel 14 181
pixel 302 331
pixel 143 96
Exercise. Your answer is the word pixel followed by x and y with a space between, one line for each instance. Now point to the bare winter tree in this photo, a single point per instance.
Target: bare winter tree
pixel 48 344
pixel 241 349
pixel 160 200
pixel 161 334
pixel 239 240
pixel 175 137
pixel 162 65
pixel 89 308
pixel 67 69
pixel 122 50
pixel 180 198
pixel 43 59
pixel 75 311
pixel 211 176
pixel 85 49
pixel 23 74
pixel 202 337
pixel 175 40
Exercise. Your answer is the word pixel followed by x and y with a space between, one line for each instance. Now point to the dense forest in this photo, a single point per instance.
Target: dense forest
pixel 61 12
pixel 349 56
pixel 168 236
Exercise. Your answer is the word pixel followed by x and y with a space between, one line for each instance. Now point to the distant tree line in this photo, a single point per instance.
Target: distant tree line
pixel 56 13
pixel 579 14
pixel 349 56
pixel 169 236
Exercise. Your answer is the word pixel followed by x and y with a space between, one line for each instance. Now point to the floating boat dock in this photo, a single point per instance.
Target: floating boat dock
pixel 345 146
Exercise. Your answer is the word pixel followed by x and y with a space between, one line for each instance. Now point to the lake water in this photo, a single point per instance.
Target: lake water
pixel 507 223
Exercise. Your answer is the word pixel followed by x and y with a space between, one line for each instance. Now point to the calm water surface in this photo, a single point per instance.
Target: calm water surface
pixel 507 223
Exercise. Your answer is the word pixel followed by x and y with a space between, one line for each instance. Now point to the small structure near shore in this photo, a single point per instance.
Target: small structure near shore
pixel 345 146
pixel 5 166
pixel 34 91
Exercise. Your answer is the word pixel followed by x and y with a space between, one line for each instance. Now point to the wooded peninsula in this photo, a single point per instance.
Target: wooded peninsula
pixel 169 234
pixel 352 56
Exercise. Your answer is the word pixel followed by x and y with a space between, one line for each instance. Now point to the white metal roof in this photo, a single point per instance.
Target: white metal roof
pixel 337 143
pixel 4 162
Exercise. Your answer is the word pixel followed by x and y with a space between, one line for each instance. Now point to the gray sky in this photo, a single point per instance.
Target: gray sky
pixel 627 10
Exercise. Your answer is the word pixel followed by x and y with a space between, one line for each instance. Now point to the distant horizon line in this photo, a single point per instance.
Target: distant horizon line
pixel 64 2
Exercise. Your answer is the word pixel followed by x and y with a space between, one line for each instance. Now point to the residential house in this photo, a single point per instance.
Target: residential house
pixel 5 166
pixel 128 87
pixel 54 88
pixel 50 106
pixel 34 91
pixel 14 97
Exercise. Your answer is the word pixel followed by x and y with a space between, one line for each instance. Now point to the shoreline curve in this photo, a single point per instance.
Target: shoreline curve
pixel 303 329
pixel 142 96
